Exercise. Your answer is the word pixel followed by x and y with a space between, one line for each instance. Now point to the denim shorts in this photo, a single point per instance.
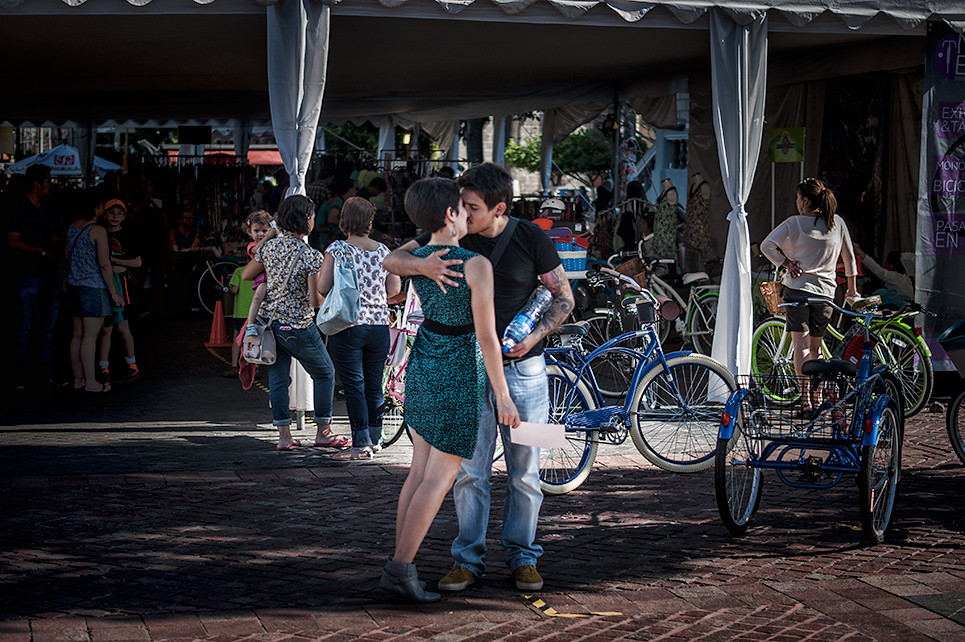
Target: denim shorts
pixel 91 302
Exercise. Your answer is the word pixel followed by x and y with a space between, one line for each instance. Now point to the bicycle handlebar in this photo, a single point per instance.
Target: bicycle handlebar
pixel 633 285
pixel 910 307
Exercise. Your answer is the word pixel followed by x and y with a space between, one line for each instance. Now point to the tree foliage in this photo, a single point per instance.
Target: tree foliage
pixel 585 151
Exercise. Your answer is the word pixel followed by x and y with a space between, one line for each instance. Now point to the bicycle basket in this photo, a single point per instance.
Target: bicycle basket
pixel 645 309
pixel 773 296
pixel 780 412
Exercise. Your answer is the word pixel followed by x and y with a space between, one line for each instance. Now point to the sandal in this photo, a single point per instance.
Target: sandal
pixel 352 454
pixel 334 441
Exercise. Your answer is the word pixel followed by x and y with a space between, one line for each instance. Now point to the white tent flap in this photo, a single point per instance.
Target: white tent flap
pixel 297 63
pixel 739 70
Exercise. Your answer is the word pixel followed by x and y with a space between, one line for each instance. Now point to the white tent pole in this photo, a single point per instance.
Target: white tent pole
pixel 386 150
pixel 546 151
pixel 499 140
pixel 738 77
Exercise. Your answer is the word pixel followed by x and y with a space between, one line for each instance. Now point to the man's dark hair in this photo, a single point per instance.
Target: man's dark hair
pixel 378 183
pixel 356 216
pixel 341 185
pixel 293 214
pixel 36 174
pixel 428 200
pixel 491 182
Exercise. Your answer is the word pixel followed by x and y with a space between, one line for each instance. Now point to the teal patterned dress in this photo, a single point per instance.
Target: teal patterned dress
pixel 445 379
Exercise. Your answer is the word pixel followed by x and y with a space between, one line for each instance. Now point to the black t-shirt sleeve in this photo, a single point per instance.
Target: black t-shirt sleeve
pixel 545 256
pixel 423 239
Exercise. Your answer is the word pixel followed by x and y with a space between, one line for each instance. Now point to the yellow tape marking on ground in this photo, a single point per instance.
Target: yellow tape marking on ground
pixel 257 383
pixel 544 608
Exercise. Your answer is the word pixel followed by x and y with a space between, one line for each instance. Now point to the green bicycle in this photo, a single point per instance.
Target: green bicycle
pixel 897 344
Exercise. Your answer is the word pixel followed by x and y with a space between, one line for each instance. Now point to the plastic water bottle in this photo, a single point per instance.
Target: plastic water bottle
pixel 527 318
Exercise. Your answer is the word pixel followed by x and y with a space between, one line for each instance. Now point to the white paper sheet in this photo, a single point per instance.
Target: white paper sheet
pixel 539 435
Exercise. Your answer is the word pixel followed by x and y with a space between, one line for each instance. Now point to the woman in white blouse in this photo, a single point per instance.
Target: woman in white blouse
pixel 808 246
pixel 359 351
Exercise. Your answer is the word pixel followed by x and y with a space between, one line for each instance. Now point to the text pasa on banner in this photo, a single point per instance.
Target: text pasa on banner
pixel 62 160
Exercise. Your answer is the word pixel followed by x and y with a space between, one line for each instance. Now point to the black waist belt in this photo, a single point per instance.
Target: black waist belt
pixel 449 330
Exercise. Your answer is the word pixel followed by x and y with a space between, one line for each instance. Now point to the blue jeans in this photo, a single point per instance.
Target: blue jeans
pixel 359 356
pixel 305 345
pixel 529 388
pixel 39 299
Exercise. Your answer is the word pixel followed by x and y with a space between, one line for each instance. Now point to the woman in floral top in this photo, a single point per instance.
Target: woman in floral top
pixel 359 351
pixel 291 301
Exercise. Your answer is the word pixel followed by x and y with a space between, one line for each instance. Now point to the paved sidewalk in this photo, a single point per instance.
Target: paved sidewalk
pixel 163 513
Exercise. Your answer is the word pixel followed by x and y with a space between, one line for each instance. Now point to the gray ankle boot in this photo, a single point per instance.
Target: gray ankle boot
pixel 403 579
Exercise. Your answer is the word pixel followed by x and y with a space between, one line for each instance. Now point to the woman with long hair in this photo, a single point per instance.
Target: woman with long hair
pixel 808 247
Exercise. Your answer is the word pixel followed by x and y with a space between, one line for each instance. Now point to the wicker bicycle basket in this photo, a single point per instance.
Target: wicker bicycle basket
pixel 773 297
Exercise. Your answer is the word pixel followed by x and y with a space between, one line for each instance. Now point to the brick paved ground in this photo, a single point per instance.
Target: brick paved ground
pixel 161 512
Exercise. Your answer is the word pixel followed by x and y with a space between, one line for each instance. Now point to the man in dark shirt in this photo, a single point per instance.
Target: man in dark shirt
pixel 528 259
pixel 34 237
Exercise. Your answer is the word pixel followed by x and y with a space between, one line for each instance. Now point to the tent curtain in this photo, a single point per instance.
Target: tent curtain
pixel 298 33
pixel 738 56
pixel 241 134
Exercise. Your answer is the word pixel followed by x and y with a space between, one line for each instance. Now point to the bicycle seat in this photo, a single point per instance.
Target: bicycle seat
pixel 694 277
pixel 829 366
pixel 572 330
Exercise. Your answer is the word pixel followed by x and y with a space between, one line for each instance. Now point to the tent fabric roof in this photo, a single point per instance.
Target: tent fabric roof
pixel 417 60
pixel 853 14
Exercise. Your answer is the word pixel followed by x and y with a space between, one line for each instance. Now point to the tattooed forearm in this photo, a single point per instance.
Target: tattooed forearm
pixel 557 283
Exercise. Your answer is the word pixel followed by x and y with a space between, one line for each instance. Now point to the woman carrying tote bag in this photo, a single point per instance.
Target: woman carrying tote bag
pixel 292 268
pixel 359 351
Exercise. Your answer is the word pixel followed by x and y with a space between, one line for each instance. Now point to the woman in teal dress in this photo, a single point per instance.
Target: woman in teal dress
pixel 456 347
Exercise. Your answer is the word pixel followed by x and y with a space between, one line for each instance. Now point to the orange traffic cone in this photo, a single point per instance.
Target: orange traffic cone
pixel 218 337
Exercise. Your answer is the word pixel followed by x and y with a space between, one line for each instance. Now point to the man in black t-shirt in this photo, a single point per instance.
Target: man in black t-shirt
pixel 35 236
pixel 528 259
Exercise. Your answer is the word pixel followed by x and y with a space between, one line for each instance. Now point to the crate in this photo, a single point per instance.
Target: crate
pixel 572 255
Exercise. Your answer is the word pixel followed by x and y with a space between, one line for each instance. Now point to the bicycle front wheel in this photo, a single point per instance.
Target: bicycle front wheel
pixel 676 412
pixel 393 422
pixel 213 284
pixel 954 423
pixel 737 482
pixel 906 359
pixel 878 478
pixel 564 469
pixel 772 360
pixel 702 320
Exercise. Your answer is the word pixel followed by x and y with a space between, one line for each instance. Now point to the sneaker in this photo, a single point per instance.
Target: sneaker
pixel 131 374
pixel 527 578
pixel 376 448
pixel 104 376
pixel 457 579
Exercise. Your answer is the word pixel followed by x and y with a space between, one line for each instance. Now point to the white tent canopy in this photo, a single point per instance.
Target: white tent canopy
pixel 434 61
pixel 63 160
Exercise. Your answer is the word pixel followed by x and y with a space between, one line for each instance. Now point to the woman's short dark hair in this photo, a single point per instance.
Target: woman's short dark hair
pixel 428 200
pixel 356 216
pixel 293 214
